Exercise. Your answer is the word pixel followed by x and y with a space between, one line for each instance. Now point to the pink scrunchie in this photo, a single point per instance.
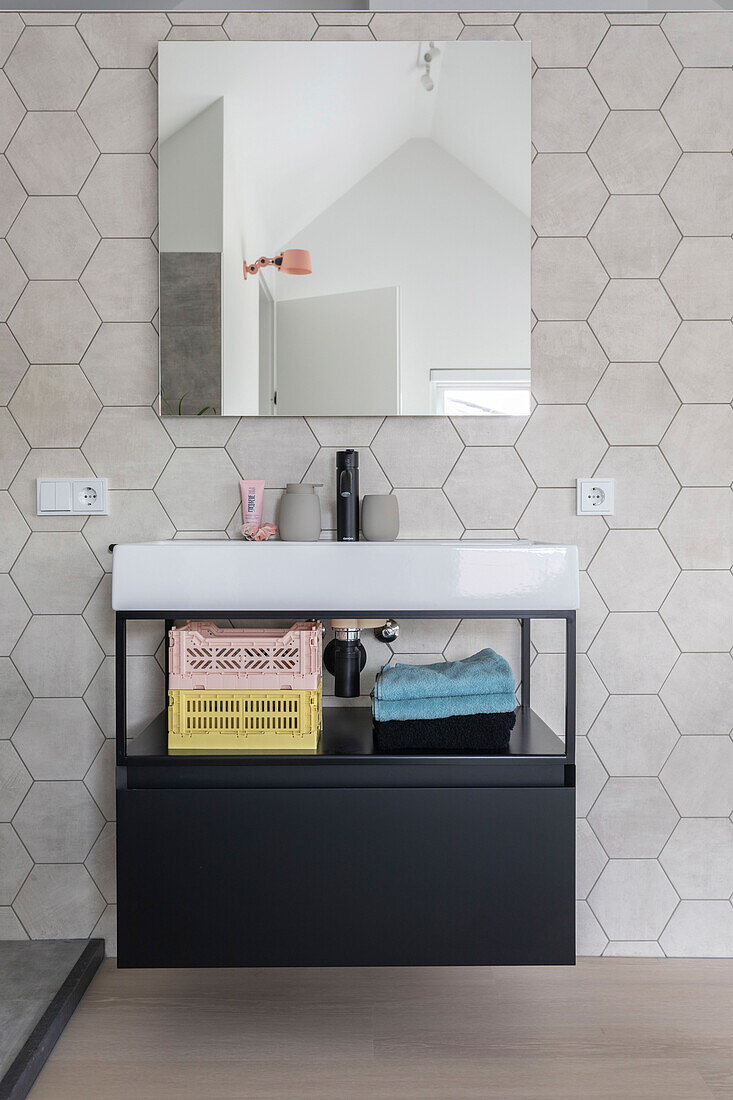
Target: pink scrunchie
pixel 253 533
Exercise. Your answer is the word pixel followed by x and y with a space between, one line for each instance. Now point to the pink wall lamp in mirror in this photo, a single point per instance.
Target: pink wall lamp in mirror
pixel 292 261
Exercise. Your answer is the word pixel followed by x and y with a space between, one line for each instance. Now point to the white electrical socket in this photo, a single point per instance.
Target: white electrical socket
pixel 595 496
pixel 66 496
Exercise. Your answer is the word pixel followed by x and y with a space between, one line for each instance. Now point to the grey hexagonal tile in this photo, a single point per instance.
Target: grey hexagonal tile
pixel 633 653
pixel 13 532
pixel 134 516
pixel 330 431
pixel 559 443
pixel 634 949
pixel 567 279
pixel 634 320
pixel 100 779
pixel 128 445
pixel 567 194
pixel 11 27
pixel 633 899
pixel 14 364
pixel 699 361
pixel 57 655
pixel 548 635
pixel 121 280
pixel 699 528
pixel 699 929
pixel 101 863
pixel 15 862
pixel 117 42
pixel 10 926
pixel 700 38
pixel 590 939
pixel 699 858
pixel 12 280
pixel 53 237
pixel 120 111
pixel 567 110
pixel 487 34
pixel 106 929
pixel 58 822
pixel 418 452
pixel 633 817
pixel 616 738
pixel 699 278
pixel 14 614
pixel 634 403
pixel 52 153
pixel 298 26
pixel 548 695
pixel 209 431
pixel 489 487
pixel 634 570
pixel 562 39
pixel 699 444
pixel 199 488
pixel 47 462
pixel 121 195
pixel 55 406
pixel 424 636
pixel 13 448
pixel 551 514
pixel 209 33
pixel 698 776
pixel 53 322
pixel 136 347
pixel 56 572
pixel 590 859
pixel 489 431
pixel 427 514
pixel 143 636
pixel 15 781
pixel 59 901
pixel 51 68
pixel 14 698
pixel 699 194
pixel 699 611
pixel 146 699
pixel 634 67
pixel 591 776
pixel 11 110
pixel 12 195
pixel 698 693
pixel 280 449
pixel 57 739
pixel 567 362
pixel 645 485
pixel 634 236
pixel 634 152
pixel 699 110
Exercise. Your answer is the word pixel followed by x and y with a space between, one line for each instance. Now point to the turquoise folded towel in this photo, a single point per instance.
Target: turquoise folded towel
pixel 485 673
pixel 447 706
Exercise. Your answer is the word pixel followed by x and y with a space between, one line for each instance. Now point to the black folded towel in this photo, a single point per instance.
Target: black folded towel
pixel 464 733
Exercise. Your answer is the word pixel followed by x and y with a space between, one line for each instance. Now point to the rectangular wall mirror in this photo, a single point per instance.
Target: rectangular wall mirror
pixel 344 228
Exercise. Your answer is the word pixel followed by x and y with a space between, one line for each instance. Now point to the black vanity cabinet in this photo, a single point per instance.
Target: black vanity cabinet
pixel 347 858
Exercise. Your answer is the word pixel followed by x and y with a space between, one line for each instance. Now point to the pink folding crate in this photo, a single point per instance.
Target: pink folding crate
pixel 204 656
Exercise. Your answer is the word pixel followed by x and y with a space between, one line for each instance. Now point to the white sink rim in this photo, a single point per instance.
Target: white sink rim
pixel 470 576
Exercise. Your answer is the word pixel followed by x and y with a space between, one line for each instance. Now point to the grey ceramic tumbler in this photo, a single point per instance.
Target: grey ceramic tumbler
pixel 299 517
pixel 380 518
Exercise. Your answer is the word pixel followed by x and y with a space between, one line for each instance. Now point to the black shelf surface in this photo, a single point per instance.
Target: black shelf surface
pixel 536 755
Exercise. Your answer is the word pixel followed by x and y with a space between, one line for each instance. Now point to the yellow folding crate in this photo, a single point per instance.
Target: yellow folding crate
pixel 285 721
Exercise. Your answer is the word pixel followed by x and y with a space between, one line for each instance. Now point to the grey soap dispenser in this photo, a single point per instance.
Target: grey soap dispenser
pixel 347 495
pixel 299 515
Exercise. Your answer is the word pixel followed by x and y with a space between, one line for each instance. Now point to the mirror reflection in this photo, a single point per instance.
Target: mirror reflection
pixel 344 228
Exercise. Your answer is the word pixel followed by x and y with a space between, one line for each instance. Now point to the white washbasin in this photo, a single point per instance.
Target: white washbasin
pixel 388 577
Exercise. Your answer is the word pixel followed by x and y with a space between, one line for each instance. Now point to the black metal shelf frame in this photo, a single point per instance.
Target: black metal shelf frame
pixel 524 617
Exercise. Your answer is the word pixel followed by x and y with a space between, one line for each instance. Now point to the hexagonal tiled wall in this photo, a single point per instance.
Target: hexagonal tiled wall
pixel 633 378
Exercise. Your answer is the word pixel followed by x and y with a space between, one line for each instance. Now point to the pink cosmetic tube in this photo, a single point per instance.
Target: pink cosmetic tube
pixel 253 493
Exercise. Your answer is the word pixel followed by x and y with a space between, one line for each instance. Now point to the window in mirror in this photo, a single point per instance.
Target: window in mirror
pixel 405 202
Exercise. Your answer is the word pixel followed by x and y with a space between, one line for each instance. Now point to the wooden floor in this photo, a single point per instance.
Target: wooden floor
pixel 608 1029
